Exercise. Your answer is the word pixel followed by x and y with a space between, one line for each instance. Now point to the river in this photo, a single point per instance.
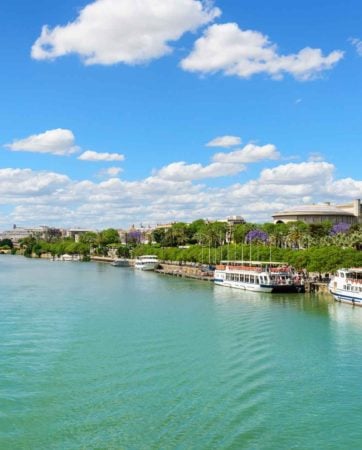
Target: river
pixel 100 357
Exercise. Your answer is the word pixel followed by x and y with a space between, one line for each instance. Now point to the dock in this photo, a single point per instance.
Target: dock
pixel 186 270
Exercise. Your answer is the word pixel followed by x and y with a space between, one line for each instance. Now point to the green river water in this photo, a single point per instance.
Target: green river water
pixel 99 357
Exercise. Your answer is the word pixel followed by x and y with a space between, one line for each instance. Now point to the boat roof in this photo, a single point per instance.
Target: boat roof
pixel 352 269
pixel 256 263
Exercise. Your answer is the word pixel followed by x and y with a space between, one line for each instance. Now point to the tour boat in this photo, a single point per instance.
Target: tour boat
pixel 146 262
pixel 120 262
pixel 258 276
pixel 346 286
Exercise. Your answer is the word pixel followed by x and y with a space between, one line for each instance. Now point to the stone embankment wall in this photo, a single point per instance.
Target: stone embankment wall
pixel 186 270
pixel 314 286
pixel 101 258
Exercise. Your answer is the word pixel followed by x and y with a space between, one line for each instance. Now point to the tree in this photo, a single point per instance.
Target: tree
pixel 194 228
pixel 179 233
pixel 8 243
pixel 257 236
pixel 319 230
pixel 296 231
pixel 241 230
pixel 108 236
pixel 52 234
pixel 340 228
pixel 158 235
pixel 133 237
pixel 89 238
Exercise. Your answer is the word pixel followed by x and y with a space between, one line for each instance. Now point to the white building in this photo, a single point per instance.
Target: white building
pixel 350 213
pixel 18 233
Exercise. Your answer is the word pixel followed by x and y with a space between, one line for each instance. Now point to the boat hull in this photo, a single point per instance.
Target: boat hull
pixel 345 298
pixel 244 286
pixel 120 263
pixel 289 288
pixel 346 286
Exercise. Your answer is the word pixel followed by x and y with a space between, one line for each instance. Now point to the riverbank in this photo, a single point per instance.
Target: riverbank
pixel 203 272
pixel 198 272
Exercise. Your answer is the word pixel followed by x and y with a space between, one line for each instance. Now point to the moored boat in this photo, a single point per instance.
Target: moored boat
pixel 146 262
pixel 67 257
pixel 258 276
pixel 120 262
pixel 346 286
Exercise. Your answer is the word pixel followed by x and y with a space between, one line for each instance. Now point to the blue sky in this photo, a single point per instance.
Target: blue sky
pixel 122 112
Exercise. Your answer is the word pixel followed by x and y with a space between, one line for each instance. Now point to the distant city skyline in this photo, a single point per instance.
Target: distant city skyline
pixel 115 112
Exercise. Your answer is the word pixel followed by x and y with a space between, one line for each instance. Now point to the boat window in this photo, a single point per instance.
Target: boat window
pixel 242 278
pixel 251 278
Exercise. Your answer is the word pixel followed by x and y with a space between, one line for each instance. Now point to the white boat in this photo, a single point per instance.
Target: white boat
pixel 66 257
pixel 346 286
pixel 120 262
pixel 258 276
pixel 146 262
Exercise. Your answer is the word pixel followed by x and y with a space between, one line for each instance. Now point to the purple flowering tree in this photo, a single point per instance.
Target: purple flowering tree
pixel 257 236
pixel 133 237
pixel 340 228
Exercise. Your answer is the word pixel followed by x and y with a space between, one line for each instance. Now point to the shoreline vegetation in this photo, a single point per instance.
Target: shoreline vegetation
pixel 318 248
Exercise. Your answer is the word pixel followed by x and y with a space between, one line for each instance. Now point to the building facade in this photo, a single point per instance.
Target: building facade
pixel 350 213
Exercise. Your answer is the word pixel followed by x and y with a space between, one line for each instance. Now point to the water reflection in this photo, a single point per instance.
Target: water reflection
pixel 345 315
pixel 311 303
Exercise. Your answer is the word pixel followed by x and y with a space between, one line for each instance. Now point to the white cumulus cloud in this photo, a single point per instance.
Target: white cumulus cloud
pixel 223 164
pixel 303 173
pixel 224 141
pixel 180 171
pixel 58 142
pixel 244 53
pixel 21 183
pixel 124 31
pixel 113 171
pixel 31 197
pixel 90 155
pixel 251 153
pixel 110 172
pixel 357 43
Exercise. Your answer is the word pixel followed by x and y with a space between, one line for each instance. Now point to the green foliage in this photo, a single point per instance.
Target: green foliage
pixel 303 246
pixel 108 236
pixel 241 230
pixel 123 251
pixel 158 235
pixel 52 234
pixel 316 259
pixel 89 238
pixel 6 243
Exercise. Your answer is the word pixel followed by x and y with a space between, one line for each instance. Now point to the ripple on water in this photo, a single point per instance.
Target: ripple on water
pixel 94 357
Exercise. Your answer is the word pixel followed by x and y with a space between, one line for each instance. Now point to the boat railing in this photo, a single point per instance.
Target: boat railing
pixel 279 269
pixel 247 268
pixel 354 281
